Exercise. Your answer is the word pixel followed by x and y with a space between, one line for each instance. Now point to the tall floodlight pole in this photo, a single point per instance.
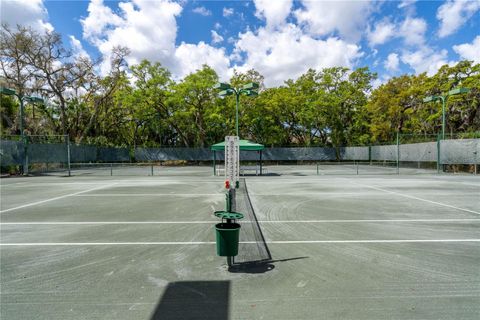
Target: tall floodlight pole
pixel 22 99
pixel 443 98
pixel 250 89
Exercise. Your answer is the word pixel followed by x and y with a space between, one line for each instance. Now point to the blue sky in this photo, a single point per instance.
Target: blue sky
pixel 281 39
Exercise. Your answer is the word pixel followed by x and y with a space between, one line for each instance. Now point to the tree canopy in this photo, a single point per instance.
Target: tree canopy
pixel 144 105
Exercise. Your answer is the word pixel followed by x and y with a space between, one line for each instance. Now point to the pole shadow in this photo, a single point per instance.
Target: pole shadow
pixel 194 300
pixel 259 266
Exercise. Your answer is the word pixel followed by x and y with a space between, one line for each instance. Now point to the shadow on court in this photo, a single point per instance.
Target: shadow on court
pixel 259 266
pixel 194 300
pixel 269 174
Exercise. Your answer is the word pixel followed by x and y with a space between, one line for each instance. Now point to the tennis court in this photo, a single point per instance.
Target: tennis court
pixel 340 246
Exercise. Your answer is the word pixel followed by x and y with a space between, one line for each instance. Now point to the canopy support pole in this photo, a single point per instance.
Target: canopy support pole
pixel 214 168
pixel 260 162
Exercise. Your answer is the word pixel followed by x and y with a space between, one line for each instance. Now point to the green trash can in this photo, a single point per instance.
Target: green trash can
pixel 227 235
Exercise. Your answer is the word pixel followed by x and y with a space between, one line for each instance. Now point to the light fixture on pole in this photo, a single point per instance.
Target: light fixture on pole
pixel 250 89
pixel 443 98
pixel 22 99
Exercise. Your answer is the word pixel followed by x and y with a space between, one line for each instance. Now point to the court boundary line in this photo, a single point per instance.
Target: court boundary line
pixel 37 244
pixel 150 195
pixel 56 198
pixel 243 221
pixel 13 184
pixel 415 198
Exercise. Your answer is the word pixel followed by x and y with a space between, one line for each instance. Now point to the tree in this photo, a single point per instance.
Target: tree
pixel 342 98
pixel 149 112
pixel 17 73
pixel 100 98
pixel 194 105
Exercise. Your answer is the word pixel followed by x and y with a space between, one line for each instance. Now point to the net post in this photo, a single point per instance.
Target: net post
pixel 227 201
pixel 214 165
pixel 370 154
pixel 438 153
pixel 261 169
pixel 230 204
pixel 67 142
pixel 25 155
pixel 317 167
pixel 111 169
pixel 151 168
pixel 398 152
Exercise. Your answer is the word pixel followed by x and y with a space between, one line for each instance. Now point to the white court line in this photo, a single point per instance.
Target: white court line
pixel 367 220
pixel 56 198
pixel 36 244
pixel 12 184
pixel 150 194
pixel 241 221
pixel 416 198
pixel 109 222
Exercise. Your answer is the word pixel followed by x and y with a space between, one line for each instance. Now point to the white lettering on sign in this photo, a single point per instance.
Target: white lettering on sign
pixel 232 160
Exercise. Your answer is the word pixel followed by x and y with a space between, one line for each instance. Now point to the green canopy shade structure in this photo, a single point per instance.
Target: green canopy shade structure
pixel 244 145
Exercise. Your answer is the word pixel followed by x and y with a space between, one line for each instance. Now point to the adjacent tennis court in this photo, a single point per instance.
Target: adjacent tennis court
pixel 367 246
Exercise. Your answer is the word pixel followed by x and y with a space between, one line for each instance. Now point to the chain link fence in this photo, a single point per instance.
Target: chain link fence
pixel 410 153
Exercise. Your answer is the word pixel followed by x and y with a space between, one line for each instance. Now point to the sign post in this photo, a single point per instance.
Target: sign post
pixel 232 162
pixel 227 234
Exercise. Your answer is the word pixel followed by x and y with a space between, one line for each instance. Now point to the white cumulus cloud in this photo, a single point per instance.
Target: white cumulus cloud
pixel 30 13
pixel 453 14
pixel 348 18
pixel 274 12
pixel 77 47
pixel 413 30
pixel 191 57
pixel 289 52
pixel 227 12
pixel 382 32
pixel 216 38
pixel 469 51
pixel 202 11
pixel 425 59
pixel 149 30
pixel 392 62
pixel 406 3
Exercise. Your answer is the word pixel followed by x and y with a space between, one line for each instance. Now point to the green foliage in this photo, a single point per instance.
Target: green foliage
pixel 142 105
pixel 398 104
pixel 8 111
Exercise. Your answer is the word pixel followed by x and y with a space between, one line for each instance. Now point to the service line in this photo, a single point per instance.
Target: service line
pixel 241 221
pixel 150 195
pixel 39 244
pixel 57 198
pixel 416 198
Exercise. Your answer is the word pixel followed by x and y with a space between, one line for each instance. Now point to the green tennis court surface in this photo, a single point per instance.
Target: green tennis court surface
pixel 367 246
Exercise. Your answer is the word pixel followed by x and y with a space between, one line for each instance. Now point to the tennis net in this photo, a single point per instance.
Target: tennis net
pixel 251 231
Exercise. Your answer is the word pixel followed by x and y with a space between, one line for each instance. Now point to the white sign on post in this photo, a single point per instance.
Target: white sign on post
pixel 232 160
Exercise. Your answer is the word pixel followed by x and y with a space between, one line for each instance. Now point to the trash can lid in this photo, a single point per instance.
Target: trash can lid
pixel 228 215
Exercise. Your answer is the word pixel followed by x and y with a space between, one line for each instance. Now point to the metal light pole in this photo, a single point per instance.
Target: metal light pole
pixel 443 98
pixel 248 90
pixel 237 100
pixel 22 99
pixel 443 116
